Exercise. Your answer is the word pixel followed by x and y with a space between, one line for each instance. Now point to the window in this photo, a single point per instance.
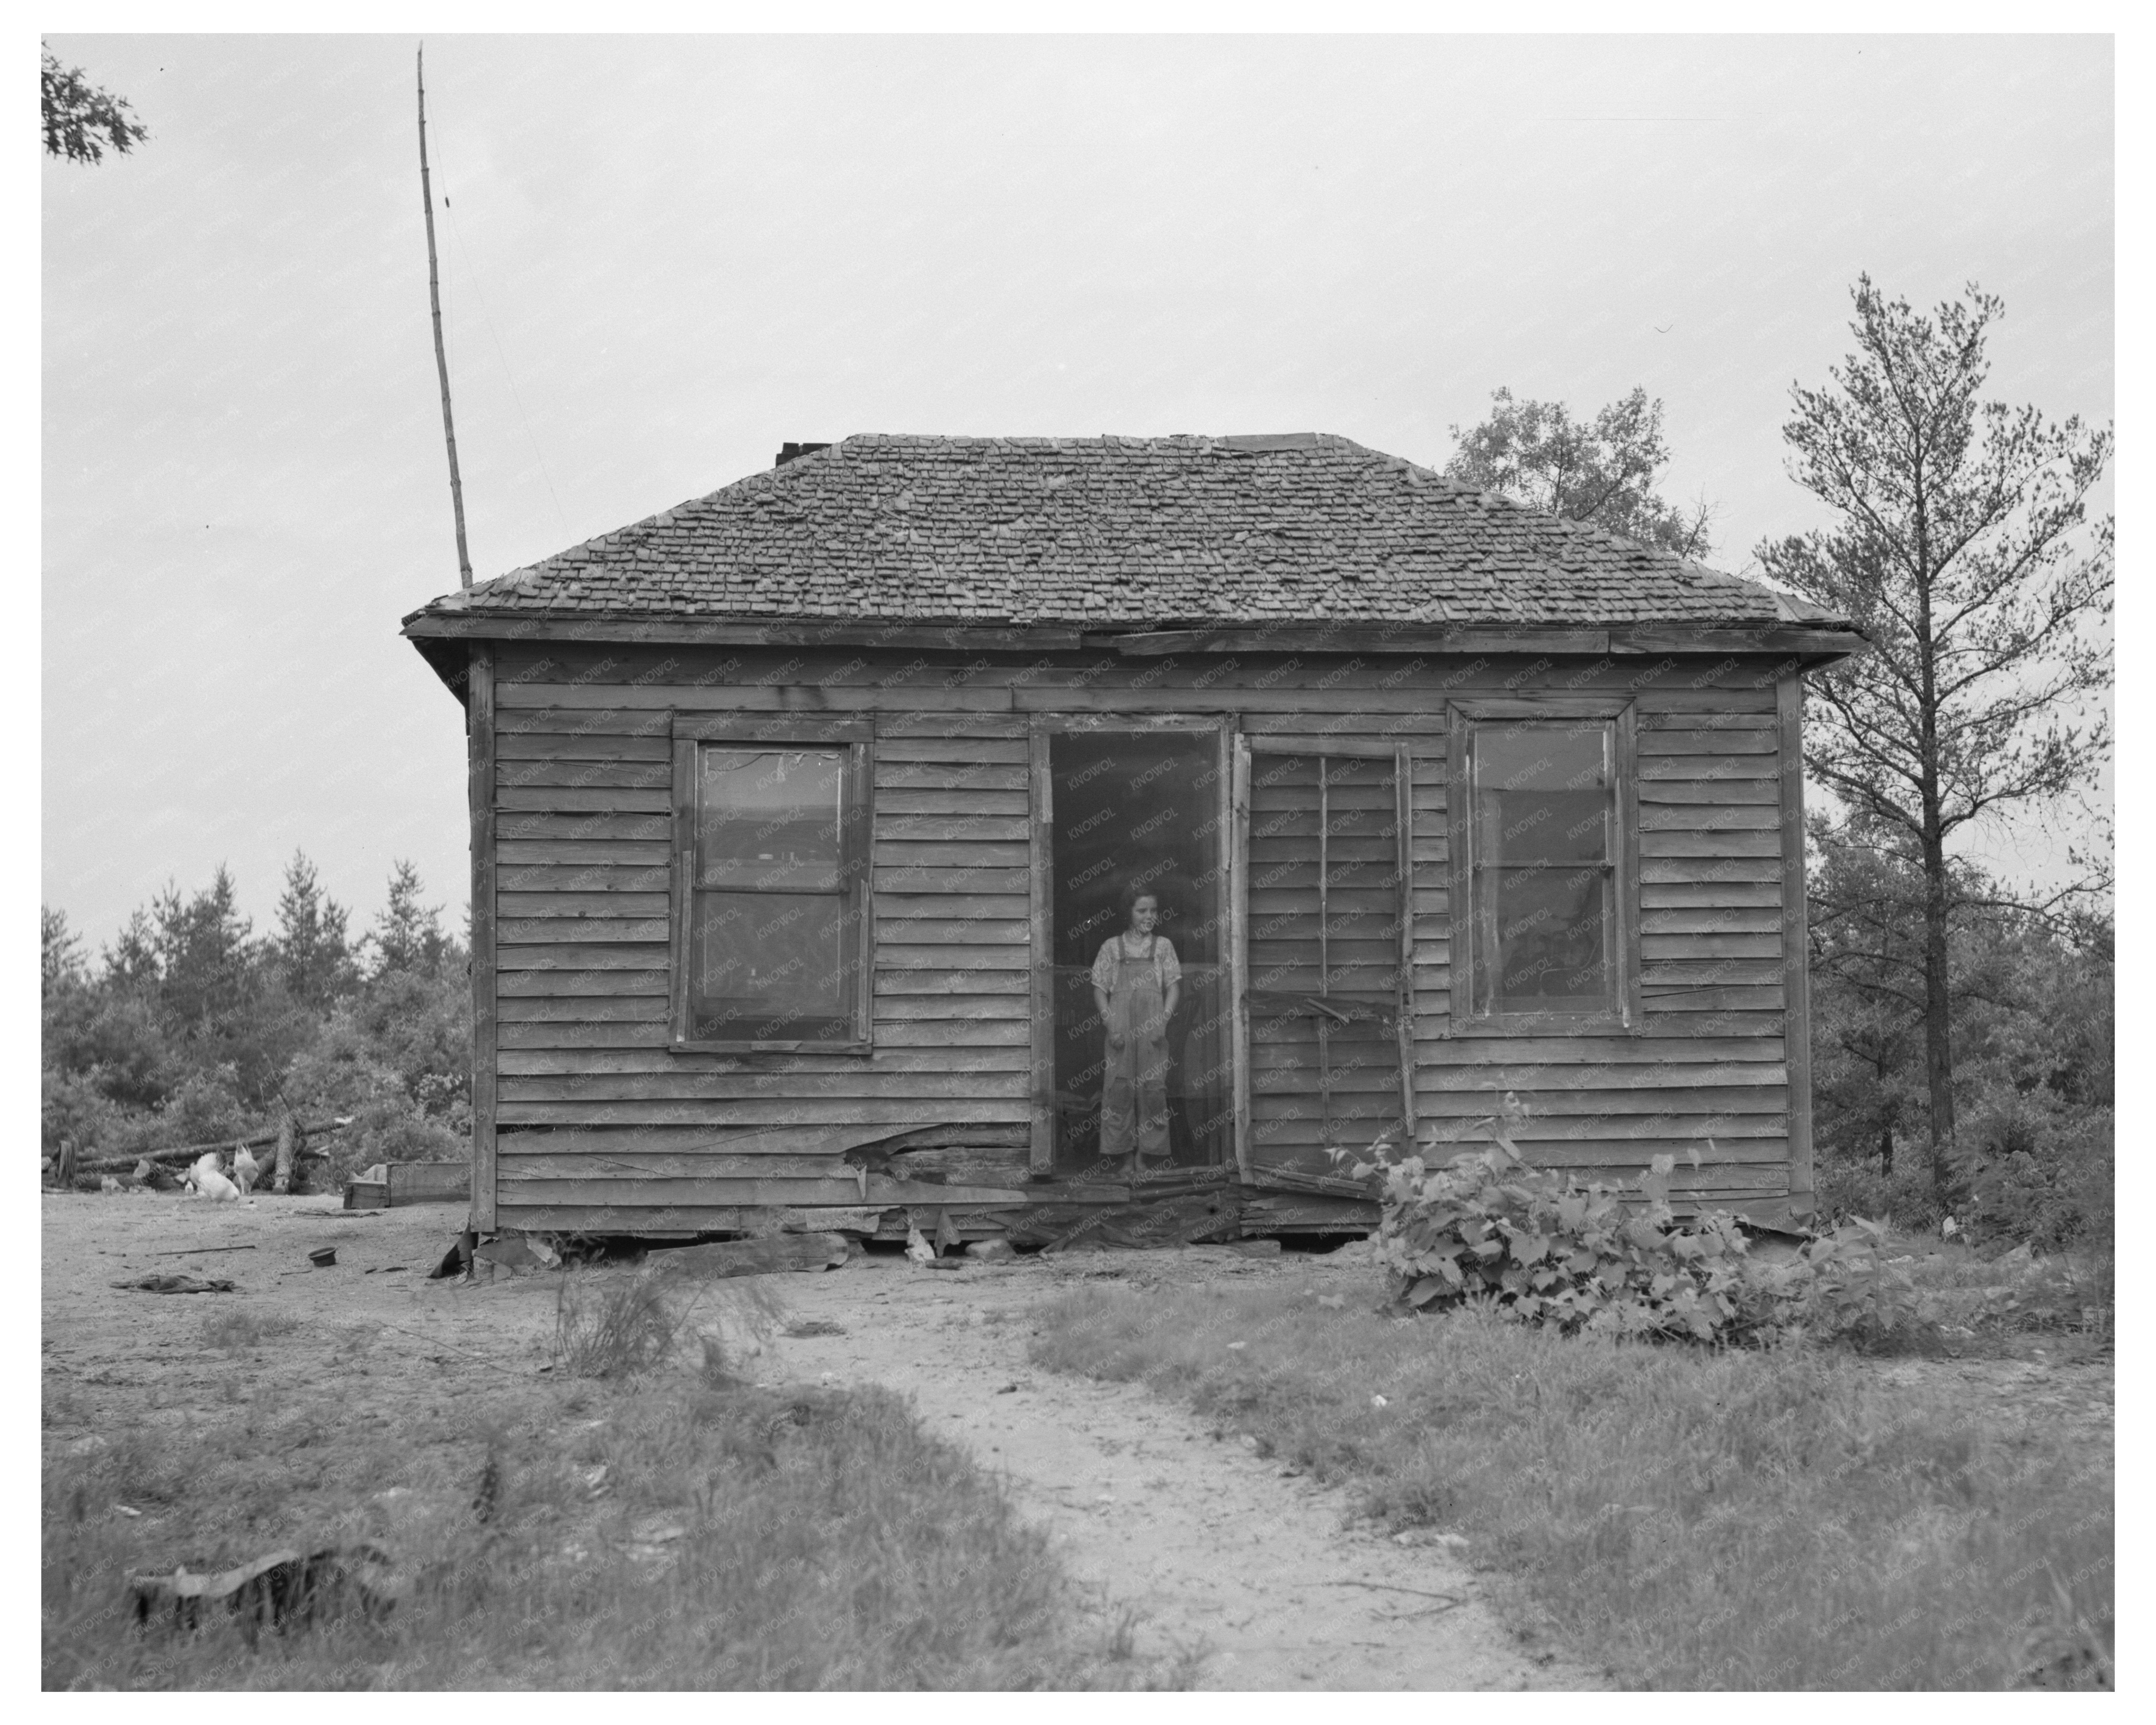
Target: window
pixel 1540 838
pixel 771 893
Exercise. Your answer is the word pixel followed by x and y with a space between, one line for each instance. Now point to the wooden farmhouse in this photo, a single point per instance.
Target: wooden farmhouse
pixel 1047 837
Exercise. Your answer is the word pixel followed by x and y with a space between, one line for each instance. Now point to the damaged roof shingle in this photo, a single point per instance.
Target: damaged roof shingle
pixel 1144 532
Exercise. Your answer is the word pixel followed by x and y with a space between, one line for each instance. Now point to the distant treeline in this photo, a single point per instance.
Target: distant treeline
pixel 189 1027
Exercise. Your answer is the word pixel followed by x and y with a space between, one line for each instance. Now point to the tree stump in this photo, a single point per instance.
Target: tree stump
pixel 288 1153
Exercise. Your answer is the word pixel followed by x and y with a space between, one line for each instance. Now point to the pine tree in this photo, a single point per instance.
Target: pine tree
pixel 408 935
pixel 312 945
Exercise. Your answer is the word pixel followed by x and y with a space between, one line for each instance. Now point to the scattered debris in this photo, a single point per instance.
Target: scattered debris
pixel 126 1509
pixel 1254 1248
pixel 185 1251
pixel 488 1498
pixel 106 1183
pixel 177 1284
pixel 814 1327
pixel 916 1248
pixel 991 1252
pixel 322 1256
pixel 273 1592
pixel 1379 1402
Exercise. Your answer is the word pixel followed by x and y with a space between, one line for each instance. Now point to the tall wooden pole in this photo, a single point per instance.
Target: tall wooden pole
pixel 441 358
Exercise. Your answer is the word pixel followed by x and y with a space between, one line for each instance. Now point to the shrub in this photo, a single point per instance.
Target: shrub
pixel 1544 1249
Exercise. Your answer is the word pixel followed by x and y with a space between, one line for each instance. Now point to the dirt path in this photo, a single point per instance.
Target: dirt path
pixel 1215 1548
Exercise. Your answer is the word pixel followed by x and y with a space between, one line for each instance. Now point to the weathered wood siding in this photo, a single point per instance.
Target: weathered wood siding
pixel 597 1124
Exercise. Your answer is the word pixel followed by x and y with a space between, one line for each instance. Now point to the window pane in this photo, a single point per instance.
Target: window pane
pixel 768 820
pixel 1545 939
pixel 1543 792
pixel 771 966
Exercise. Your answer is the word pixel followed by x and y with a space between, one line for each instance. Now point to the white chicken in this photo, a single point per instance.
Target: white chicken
pixel 245 1170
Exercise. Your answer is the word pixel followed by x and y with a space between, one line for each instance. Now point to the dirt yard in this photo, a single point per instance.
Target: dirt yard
pixel 1208 1545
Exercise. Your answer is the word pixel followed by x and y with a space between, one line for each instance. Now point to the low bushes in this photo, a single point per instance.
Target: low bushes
pixel 1545 1249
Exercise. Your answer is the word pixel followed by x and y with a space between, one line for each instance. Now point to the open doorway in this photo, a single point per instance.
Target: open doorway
pixel 1137 816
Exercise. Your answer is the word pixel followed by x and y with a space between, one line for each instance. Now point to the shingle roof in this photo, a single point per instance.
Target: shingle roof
pixel 1107 532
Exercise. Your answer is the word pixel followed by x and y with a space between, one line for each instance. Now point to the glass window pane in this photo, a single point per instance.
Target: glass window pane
pixel 1545 939
pixel 771 965
pixel 769 820
pixel 1543 792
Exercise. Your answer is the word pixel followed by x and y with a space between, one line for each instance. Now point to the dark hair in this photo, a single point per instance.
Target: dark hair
pixel 1129 896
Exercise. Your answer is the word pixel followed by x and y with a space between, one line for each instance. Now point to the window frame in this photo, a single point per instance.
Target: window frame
pixel 693 731
pixel 1622 1017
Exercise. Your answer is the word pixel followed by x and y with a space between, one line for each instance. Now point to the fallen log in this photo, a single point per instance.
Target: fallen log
pixel 187 1153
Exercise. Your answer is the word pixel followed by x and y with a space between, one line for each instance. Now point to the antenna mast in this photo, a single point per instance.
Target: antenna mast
pixel 441 359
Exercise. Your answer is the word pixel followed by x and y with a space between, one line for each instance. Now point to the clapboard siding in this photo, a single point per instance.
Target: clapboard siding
pixel 581 799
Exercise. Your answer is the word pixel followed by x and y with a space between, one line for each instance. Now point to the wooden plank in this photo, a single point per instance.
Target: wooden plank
pixel 947 930
pixel 545 1188
pixel 949 1007
pixel 553 929
pixel 583 1033
pixel 1721 791
pixel 1682 817
pixel 1696 918
pixel 778 698
pixel 942 724
pixel 479 769
pixel 529 748
pixel 1658 768
pixel 530 827
pixel 952 854
pixel 1538 1076
pixel 646 1221
pixel 580 955
pixel 1553 1106
pixel 1714 1000
pixel 1009 907
pixel 916 777
pixel 785 729
pixel 570 799
pixel 1796 938
pixel 756 1111
pixel 1005 751
pixel 1241 886
pixel 527 906
pixel 586 722
pixel 1697 741
pixel 1603 1051
pixel 582 854
pixel 774 1143
pixel 1667 871
pixel 969 829
pixel 656 775
pixel 583 1009
pixel 1664 974
pixel 957 1089
pixel 1716 1024
pixel 892 956
pixel 591 877
pixel 1666 946
pixel 1635 1151
pixel 766 1255
pixel 527 985
pixel 971 981
pixel 1658 713
pixel 1718 846
pixel 665 1062
pixel 1707 895
pixel 930 877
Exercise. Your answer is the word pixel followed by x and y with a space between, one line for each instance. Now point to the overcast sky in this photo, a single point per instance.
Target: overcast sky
pixel 664 257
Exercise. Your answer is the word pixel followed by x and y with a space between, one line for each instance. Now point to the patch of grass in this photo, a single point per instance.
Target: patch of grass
pixel 736 1538
pixel 1785 1519
pixel 612 1326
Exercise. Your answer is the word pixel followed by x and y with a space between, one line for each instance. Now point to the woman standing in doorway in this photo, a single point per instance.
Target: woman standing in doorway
pixel 1137 981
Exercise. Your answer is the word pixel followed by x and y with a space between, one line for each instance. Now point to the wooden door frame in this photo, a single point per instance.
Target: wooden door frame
pixel 1040 729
